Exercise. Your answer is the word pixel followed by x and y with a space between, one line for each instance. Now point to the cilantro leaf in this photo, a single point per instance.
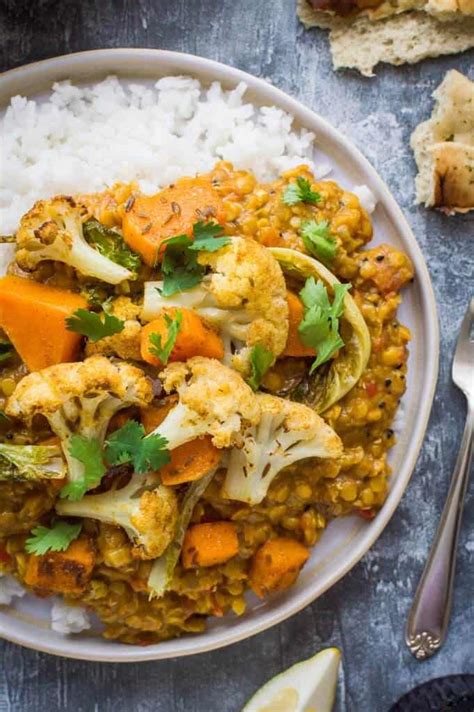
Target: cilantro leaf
pixel 111 244
pixel 6 350
pixel 129 444
pixel 206 237
pixel 315 294
pixel 57 538
pixel 329 346
pixel 124 441
pixel 163 351
pixel 315 326
pixel 153 454
pixel 261 359
pixel 180 267
pixel 91 325
pixel 300 192
pixel 319 327
pixel 340 291
pixel 317 239
pixel 89 452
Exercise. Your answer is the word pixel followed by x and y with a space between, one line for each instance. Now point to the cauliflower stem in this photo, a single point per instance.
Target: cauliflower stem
pixel 147 512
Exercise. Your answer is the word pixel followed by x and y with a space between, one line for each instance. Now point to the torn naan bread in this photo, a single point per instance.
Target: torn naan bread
pixel 329 14
pixel 393 31
pixel 444 147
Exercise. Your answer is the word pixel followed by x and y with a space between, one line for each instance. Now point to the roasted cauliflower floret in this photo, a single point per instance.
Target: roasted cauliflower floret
pixel 125 344
pixel 286 432
pixel 213 400
pixel 79 399
pixel 52 230
pixel 243 296
pixel 148 518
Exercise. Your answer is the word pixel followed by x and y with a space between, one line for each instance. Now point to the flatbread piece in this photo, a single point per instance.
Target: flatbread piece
pixel 444 147
pixel 395 32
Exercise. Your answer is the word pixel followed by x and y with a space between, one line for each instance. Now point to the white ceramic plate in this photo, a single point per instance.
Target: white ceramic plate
pixel 346 540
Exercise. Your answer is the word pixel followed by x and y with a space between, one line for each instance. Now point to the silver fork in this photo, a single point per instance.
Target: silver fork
pixel 428 619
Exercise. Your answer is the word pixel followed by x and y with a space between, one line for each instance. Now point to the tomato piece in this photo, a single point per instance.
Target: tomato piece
pixel 367 514
pixel 371 389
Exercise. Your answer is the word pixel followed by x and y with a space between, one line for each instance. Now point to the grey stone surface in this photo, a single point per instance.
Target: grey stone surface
pixel 364 614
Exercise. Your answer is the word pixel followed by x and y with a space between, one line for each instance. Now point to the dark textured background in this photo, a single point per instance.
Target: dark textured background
pixel 364 614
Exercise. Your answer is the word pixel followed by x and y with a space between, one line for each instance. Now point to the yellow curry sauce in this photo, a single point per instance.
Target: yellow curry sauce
pixel 304 497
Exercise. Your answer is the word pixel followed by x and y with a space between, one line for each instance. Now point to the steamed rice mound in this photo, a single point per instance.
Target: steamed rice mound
pixel 80 138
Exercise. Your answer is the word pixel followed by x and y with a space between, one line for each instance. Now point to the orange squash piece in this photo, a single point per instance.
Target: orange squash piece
pixel 152 416
pixel 194 338
pixel 153 218
pixel 276 565
pixel 294 345
pixel 33 316
pixel 62 571
pixel 191 461
pixel 209 544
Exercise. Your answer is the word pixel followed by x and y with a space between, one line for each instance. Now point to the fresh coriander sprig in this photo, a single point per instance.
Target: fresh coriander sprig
pixel 163 351
pixel 89 453
pixel 57 538
pixel 300 192
pixel 93 326
pixel 319 328
pixel 180 267
pixel 261 359
pixel 317 239
pixel 129 444
pixel 206 237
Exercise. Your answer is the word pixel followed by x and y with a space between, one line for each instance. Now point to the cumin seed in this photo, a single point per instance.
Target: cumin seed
pixel 129 203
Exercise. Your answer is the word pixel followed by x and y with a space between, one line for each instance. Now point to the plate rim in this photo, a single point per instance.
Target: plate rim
pixel 192 64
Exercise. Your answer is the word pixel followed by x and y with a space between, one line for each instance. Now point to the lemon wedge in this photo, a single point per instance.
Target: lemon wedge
pixel 308 686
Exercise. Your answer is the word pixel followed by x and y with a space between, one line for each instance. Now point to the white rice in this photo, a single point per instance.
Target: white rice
pixel 9 589
pixel 366 197
pixel 7 253
pixel 400 416
pixel 84 139
pixel 68 619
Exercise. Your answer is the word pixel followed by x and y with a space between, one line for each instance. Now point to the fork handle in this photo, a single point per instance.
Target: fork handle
pixel 429 615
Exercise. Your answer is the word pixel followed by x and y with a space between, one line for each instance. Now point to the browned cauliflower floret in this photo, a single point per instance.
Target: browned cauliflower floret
pixel 79 399
pixel 244 296
pixel 149 519
pixel 125 344
pixel 213 400
pixel 286 432
pixel 53 230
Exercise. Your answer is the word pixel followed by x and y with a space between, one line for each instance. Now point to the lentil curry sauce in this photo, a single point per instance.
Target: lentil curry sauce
pixel 303 498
